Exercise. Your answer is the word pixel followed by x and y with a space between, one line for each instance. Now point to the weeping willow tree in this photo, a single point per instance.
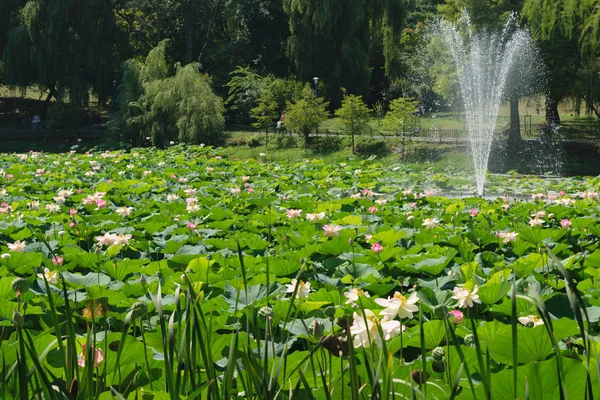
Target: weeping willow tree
pixel 164 103
pixel 65 46
pixel 569 34
pixel 333 39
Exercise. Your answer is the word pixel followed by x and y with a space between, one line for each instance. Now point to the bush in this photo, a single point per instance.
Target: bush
pixel 369 147
pixel 328 144
pixel 285 141
pixel 254 141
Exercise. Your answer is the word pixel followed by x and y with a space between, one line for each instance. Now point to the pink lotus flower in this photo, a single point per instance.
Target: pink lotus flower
pixel 466 298
pixel 561 193
pixel 373 210
pixel 376 248
pixel 98 357
pixel 100 203
pixel 250 190
pixel 9 176
pixel 292 213
pixel 191 226
pixel 72 224
pixel 58 261
pixel 332 230
pixel 457 316
pixel 79 191
pixel 72 212
pixel 473 212
pixel 367 192
pixel 17 246
pixel 565 223
pixel 413 204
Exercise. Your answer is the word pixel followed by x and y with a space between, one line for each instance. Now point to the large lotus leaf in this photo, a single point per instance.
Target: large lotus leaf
pixel 86 280
pixel 281 267
pixel 431 264
pixel 539 381
pixel 23 263
pixel 335 246
pixel 250 295
pixel 533 344
pixel 357 270
pixel 433 331
pixel 497 286
pixel 389 237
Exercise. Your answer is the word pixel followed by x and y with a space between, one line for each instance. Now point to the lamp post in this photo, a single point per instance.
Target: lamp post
pixel 114 96
pixel 316 80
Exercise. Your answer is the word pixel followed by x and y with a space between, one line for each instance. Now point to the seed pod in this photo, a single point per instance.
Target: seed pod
pixel 419 377
pixel 139 309
pixel 20 286
pixel 438 353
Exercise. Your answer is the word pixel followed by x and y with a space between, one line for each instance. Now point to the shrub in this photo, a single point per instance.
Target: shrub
pixel 328 144
pixel 372 147
pixel 254 141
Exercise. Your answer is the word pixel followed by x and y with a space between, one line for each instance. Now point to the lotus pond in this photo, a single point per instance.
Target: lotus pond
pixel 181 274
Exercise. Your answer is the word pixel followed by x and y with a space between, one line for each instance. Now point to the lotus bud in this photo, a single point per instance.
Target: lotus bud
pixel 18 319
pixel 143 279
pixel 439 366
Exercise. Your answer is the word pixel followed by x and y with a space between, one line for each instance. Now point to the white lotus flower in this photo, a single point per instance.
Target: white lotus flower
pixel 353 294
pixel 398 305
pixel 51 276
pixel 303 288
pixel 531 320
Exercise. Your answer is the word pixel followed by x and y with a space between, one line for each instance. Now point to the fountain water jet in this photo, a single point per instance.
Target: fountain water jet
pixel 483 62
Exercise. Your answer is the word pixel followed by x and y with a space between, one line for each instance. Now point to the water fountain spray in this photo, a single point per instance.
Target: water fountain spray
pixel 483 61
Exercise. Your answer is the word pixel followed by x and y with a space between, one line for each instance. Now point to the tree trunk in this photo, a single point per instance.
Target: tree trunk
pixel 552 116
pixel 514 133
pixel 188 30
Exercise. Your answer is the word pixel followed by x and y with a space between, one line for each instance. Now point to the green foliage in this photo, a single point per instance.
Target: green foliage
pixel 579 19
pixel 370 147
pixel 353 115
pixel 344 33
pixel 306 114
pixel 401 116
pixel 180 108
pixel 64 46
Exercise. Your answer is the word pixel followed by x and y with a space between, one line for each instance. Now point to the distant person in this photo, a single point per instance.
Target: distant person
pixel 281 121
pixel 36 122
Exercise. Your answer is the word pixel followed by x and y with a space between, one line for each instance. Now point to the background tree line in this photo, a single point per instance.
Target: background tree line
pixel 259 54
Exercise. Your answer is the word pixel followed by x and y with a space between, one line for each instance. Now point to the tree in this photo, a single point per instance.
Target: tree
pixel 306 114
pixel 354 116
pixel 180 106
pixel 64 46
pixel 332 39
pixel 401 116
pixel 568 34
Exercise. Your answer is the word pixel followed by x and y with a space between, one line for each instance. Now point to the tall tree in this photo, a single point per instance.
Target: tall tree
pixel 569 34
pixel 331 39
pixel 63 46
